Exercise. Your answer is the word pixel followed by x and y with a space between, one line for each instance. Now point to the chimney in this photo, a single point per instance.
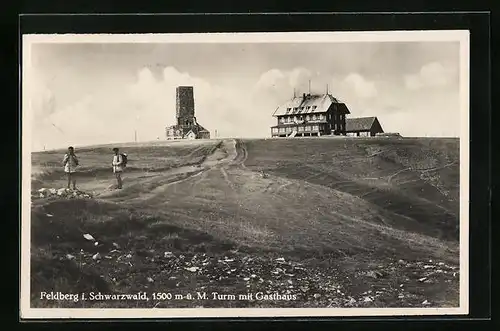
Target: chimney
pixel 304 95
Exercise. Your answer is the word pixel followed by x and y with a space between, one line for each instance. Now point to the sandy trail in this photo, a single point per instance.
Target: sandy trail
pixel 140 187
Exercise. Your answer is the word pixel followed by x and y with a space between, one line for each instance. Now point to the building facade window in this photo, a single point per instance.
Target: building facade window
pixel 315 128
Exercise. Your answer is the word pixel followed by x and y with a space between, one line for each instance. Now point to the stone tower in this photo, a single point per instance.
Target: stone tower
pixel 184 106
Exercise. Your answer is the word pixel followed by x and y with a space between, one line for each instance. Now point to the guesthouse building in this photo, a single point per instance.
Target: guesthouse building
pixel 310 115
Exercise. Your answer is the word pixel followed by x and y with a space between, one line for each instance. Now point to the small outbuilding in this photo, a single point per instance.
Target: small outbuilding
pixel 363 127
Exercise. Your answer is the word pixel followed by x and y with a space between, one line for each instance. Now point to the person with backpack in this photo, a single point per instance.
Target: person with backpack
pixel 119 164
pixel 70 163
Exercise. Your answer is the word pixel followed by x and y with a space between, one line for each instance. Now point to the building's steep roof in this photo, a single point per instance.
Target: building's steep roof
pixel 309 104
pixel 359 124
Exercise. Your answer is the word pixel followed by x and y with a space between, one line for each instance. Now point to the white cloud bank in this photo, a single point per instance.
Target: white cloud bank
pixel 431 75
pixel 148 105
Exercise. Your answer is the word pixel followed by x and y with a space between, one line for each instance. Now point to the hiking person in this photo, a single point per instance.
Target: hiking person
pixel 118 165
pixel 70 163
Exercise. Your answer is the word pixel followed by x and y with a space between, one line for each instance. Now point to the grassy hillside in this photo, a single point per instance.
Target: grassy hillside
pixel 329 220
pixel 413 183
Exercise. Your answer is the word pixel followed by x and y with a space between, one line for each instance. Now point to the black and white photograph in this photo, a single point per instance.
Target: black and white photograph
pixel 245 174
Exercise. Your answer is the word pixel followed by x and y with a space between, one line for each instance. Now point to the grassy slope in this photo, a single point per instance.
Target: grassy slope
pixel 412 183
pixel 326 203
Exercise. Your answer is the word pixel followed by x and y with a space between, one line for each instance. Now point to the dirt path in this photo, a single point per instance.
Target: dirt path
pixel 139 187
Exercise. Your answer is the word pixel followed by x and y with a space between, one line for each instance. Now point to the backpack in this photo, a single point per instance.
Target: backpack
pixel 124 159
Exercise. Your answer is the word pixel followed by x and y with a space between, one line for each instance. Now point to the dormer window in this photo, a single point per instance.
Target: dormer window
pixel 314 108
pixel 288 110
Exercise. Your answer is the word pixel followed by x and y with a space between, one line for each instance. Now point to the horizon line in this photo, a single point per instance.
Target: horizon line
pixel 225 138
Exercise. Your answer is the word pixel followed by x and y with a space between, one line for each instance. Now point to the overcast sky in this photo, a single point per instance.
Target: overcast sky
pixel 100 93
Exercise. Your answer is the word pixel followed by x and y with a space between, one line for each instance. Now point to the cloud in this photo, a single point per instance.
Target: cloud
pixel 41 98
pixel 433 75
pixel 43 102
pixel 147 104
pixel 362 87
pixel 299 78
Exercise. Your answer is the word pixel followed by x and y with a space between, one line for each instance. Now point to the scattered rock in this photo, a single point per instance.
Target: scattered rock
pixel 62 193
pixel 374 274
pixel 96 256
pixel 88 237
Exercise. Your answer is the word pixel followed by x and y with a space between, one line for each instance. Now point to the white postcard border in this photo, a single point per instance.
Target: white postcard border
pixel 461 36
